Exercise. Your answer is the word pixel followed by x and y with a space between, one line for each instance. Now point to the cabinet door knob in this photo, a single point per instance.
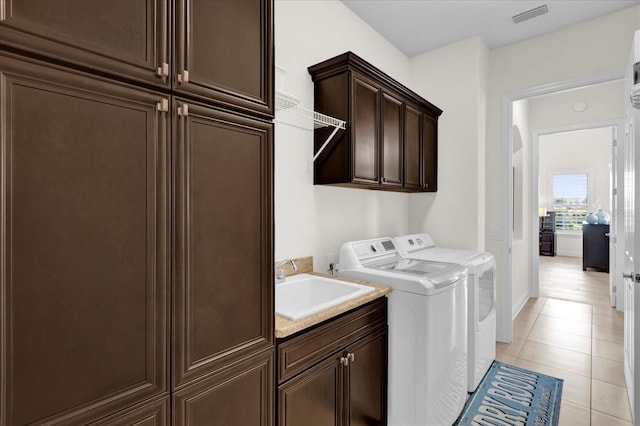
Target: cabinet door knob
pixel 352 356
pixel 344 360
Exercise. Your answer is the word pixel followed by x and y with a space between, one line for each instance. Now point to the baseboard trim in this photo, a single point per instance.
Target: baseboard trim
pixel 569 253
pixel 517 307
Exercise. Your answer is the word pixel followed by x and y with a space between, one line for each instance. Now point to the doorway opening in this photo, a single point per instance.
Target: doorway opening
pixel 520 268
pixel 575 179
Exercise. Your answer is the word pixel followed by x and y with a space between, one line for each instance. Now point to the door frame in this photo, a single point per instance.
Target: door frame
pixel 505 332
pixel 535 199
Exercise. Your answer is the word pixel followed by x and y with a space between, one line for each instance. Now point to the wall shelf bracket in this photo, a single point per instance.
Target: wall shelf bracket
pixel 289 103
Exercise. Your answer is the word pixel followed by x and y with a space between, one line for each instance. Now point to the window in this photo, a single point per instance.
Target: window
pixel 570 199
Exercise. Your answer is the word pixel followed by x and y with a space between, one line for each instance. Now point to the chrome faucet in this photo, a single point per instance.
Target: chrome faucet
pixel 281 274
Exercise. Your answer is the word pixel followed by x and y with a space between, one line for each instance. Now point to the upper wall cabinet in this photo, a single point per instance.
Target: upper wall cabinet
pixel 392 133
pixel 127 38
pixel 223 51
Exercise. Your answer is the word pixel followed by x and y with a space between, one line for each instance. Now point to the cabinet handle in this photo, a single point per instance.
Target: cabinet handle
pixel 351 356
pixel 163 105
pixel 183 110
pixel 607 234
pixel 384 179
pixel 163 70
pixel 183 77
pixel 344 360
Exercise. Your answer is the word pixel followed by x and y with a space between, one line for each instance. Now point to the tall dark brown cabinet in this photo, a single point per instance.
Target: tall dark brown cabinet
pixel 137 212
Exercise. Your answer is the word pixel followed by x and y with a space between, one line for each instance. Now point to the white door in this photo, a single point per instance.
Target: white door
pixel 614 226
pixel 631 263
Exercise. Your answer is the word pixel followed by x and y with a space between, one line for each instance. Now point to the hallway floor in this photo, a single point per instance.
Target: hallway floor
pixel 579 339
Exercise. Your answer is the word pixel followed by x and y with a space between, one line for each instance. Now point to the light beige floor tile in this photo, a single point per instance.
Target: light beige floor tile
pixel 575 389
pixel 608 334
pixel 567 305
pixel 609 321
pixel 565 325
pixel 601 419
pixel 608 350
pixel 534 304
pixel 560 358
pixel 528 311
pixel 521 329
pixel 575 314
pixel 506 358
pixel 607 310
pixel 610 399
pixel 559 338
pixel 512 348
pixel 574 415
pixel 608 371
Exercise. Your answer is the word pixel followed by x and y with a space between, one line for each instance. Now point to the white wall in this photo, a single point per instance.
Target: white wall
pixel 588 48
pixel 555 112
pixel 521 206
pixel 580 150
pixel 455 79
pixel 316 220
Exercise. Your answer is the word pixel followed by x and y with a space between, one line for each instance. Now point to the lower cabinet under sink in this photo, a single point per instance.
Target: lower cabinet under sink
pixel 335 373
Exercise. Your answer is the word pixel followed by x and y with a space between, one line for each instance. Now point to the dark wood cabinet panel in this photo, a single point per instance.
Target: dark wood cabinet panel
pixel 336 373
pixel 315 398
pixel 85 241
pixel 429 153
pixel 299 352
pixel 365 130
pixel 223 51
pixel 412 148
pixel 371 153
pixel 155 413
pixel 595 247
pixel 127 38
pixel 223 272
pixel 241 395
pixel 392 126
pixel 367 381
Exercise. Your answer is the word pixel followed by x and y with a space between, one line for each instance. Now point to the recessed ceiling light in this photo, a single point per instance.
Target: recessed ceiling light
pixel 540 10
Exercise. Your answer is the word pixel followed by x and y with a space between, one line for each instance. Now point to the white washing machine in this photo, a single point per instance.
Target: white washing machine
pixel 427 330
pixel 481 296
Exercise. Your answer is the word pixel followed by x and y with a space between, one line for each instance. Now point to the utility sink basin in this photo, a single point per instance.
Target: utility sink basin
pixel 305 294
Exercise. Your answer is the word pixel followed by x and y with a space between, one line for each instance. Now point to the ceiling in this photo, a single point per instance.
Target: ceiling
pixel 418 26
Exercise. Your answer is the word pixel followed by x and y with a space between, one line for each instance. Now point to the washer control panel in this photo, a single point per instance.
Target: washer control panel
pixel 372 248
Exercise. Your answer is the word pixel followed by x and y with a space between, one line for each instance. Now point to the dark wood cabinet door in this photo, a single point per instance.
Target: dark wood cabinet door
pixel 155 413
pixel 223 264
pixel 391 141
pixel 223 51
pixel 365 132
pixel 240 395
pixel 315 397
pixel 127 38
pixel 366 393
pixel 429 153
pixel 595 247
pixel 412 151
pixel 84 241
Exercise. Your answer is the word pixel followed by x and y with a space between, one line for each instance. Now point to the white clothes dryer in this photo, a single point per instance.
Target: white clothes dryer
pixel 427 330
pixel 481 296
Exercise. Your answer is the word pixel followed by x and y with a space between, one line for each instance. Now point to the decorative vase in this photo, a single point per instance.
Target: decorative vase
pixel 591 218
pixel 603 217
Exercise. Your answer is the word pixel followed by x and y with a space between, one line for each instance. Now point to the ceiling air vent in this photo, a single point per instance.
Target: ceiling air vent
pixel 540 10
